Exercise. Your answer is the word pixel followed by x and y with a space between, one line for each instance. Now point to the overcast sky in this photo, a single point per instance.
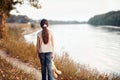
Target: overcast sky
pixel 80 10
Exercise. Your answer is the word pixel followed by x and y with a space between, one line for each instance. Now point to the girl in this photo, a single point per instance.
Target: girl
pixel 45 48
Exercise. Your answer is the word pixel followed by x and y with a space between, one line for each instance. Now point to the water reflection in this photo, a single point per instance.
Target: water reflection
pixel 112 29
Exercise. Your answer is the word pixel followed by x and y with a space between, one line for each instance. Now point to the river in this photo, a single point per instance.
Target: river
pixel 98 47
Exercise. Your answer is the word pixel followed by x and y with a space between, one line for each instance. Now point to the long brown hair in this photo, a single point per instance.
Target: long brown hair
pixel 45 34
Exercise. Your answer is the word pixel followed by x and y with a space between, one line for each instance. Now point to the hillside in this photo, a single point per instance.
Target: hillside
pixel 111 18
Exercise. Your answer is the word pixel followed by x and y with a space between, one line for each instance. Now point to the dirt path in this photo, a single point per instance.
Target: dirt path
pixel 20 65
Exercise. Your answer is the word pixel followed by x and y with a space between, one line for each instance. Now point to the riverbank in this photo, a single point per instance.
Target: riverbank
pixel 22 66
pixel 32 73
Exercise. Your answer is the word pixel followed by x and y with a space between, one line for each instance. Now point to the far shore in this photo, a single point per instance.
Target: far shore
pixel 27 29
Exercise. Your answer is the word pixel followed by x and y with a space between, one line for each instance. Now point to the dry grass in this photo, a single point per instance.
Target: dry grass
pixel 7 72
pixel 21 50
pixel 75 71
pixel 16 47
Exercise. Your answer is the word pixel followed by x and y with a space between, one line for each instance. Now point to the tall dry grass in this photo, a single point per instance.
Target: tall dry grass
pixel 75 71
pixel 15 46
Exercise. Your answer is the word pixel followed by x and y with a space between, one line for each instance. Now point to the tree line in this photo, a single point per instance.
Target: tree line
pixel 18 19
pixel 25 19
pixel 111 18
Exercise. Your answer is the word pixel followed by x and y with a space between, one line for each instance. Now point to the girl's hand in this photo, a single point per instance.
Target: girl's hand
pixel 52 55
pixel 37 54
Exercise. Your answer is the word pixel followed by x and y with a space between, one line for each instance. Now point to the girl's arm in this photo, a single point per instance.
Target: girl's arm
pixel 37 45
pixel 52 40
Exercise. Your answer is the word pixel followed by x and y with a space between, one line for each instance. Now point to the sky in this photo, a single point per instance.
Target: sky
pixel 80 10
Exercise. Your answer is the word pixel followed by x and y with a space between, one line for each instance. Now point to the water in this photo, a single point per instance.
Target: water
pixel 98 47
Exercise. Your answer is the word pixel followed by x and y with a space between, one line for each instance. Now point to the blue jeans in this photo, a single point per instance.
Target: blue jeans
pixel 46 64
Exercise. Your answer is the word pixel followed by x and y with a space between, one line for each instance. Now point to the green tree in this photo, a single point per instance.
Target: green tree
pixel 6 6
pixel 110 18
